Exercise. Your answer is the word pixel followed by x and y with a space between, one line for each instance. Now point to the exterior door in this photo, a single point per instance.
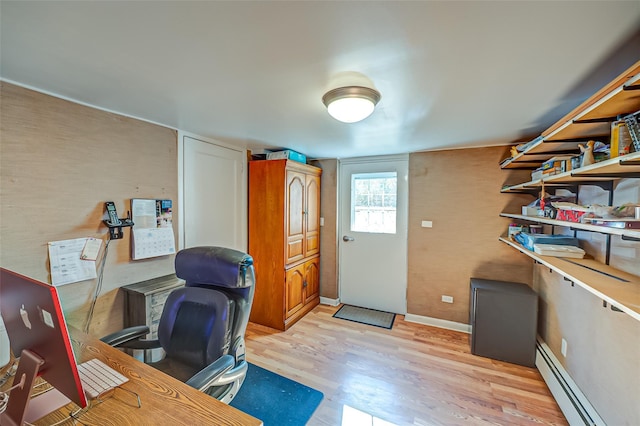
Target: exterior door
pixel 373 233
pixel 214 195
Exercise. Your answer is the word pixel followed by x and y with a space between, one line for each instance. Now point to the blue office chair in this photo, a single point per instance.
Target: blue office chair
pixel 202 325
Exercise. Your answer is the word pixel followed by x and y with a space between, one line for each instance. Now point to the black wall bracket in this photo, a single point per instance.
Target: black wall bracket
pixel 115 231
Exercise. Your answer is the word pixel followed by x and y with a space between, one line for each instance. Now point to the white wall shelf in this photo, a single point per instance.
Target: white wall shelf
pixel 618 288
pixel 614 168
pixel 590 120
pixel 631 233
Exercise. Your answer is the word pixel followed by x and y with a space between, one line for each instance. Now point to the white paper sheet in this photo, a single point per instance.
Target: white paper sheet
pixel 66 264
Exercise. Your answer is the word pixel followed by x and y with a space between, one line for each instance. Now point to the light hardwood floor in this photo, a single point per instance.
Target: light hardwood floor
pixel 410 375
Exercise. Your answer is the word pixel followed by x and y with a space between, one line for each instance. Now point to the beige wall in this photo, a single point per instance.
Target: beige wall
pixel 459 191
pixel 329 231
pixel 603 346
pixel 60 162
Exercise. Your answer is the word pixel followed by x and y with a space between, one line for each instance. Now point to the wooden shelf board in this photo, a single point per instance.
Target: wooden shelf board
pixel 624 295
pixel 629 163
pixel 633 233
pixel 618 102
pixel 599 102
pixel 610 101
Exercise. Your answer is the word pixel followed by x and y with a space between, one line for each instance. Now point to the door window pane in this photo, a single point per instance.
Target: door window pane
pixel 373 202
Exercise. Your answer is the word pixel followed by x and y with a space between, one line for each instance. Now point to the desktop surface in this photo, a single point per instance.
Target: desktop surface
pixel 165 400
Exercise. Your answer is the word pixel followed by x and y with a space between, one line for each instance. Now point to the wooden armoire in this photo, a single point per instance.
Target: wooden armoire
pixel 284 240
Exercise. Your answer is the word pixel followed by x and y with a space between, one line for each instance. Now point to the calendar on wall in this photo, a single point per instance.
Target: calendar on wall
pixel 152 234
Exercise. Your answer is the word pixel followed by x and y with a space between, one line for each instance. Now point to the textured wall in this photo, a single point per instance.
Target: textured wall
pixel 459 191
pixel 603 346
pixel 60 162
pixel 329 232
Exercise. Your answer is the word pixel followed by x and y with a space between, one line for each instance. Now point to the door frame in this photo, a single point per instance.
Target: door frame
pixel 340 176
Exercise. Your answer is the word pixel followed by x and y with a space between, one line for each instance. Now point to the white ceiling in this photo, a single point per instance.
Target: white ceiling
pixel 452 74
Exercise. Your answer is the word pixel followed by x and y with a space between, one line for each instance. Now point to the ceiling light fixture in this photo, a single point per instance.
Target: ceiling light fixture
pixel 350 104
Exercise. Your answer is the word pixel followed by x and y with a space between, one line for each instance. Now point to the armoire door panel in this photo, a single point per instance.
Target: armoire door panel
pixel 294 290
pixel 295 215
pixel 312 215
pixel 312 279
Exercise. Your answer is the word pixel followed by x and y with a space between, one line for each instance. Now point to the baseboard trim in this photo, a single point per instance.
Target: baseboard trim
pixel 330 302
pixel 440 323
pixel 574 404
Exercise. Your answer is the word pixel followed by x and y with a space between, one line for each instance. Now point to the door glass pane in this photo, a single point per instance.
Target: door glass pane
pixel 373 202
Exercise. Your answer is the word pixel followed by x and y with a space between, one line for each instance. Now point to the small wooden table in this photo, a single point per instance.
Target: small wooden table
pixel 165 400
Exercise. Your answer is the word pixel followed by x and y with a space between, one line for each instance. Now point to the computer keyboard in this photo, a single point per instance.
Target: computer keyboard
pixel 97 377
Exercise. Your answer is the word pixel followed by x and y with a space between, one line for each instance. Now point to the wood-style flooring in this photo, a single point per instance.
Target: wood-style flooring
pixel 412 374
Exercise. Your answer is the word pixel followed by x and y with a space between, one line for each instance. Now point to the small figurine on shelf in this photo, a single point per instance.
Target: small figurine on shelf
pixel 514 151
pixel 587 154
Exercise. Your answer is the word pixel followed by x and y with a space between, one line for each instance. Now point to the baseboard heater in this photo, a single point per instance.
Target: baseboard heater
pixel 574 405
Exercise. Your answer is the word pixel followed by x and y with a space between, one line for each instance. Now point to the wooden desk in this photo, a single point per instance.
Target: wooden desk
pixel 165 400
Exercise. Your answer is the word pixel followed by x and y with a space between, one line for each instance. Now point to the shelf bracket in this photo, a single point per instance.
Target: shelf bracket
pixel 529 191
pixel 613 308
pixel 596 120
pixel 577 140
pixel 606 185
pixel 624 162
pixel 607 175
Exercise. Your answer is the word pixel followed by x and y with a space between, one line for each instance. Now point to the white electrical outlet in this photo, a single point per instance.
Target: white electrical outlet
pixel 427 224
pixel 322 221
pixel 563 348
pixel 447 299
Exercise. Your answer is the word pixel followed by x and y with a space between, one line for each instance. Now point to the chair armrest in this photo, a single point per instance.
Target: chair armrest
pixel 208 375
pixel 125 335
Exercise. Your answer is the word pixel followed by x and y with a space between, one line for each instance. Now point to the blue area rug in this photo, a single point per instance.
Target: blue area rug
pixel 276 400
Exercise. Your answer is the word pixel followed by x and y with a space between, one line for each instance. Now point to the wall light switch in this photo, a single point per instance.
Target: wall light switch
pixel 447 299
pixel 427 224
pixel 322 221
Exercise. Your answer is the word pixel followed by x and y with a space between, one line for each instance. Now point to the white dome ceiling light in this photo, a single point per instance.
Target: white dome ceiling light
pixel 350 96
pixel 351 104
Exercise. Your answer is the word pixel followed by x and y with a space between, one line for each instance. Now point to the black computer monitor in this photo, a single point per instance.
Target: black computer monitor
pixel 38 334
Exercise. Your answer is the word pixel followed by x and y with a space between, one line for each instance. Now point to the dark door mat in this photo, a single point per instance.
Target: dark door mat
pixel 366 316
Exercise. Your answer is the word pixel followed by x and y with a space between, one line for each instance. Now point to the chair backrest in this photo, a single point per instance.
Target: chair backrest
pixel 222 269
pixel 194 326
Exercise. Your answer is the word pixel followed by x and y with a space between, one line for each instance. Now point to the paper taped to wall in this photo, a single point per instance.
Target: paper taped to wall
pixel 66 264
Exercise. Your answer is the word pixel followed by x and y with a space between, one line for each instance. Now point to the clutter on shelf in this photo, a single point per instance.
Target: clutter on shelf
pixel 633 127
pixel 528 240
pixel 557 250
pixel 544 206
pixel 287 154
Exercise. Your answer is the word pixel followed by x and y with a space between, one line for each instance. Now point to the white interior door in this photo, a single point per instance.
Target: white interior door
pixel 213 195
pixel 373 233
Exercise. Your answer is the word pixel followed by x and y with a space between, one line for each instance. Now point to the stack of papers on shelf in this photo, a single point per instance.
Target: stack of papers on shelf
pixel 558 250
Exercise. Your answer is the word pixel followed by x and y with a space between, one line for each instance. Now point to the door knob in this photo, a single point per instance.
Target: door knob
pixel 347 238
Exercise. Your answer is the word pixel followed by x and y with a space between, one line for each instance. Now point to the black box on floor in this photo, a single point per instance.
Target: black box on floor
pixel 503 318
